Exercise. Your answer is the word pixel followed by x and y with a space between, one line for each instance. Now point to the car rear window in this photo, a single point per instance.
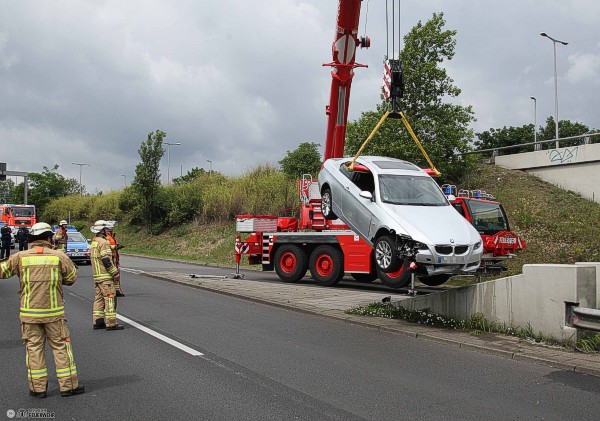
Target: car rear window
pixel 396 165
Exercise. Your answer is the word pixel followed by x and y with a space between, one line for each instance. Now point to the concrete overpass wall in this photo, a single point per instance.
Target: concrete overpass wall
pixel 575 168
pixel 536 297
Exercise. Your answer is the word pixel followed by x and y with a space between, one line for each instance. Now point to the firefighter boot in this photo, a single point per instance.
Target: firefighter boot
pixel 77 391
pixel 100 324
pixel 40 395
pixel 116 327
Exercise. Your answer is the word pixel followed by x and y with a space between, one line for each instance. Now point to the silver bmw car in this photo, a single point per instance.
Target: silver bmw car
pixel 400 210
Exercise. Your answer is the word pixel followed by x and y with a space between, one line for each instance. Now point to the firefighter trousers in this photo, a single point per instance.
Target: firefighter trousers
pixel 35 336
pixel 105 303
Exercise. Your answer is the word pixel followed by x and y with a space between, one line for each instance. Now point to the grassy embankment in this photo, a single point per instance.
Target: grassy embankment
pixel 558 226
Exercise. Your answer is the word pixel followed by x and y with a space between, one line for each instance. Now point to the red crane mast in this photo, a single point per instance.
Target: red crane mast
pixel 344 51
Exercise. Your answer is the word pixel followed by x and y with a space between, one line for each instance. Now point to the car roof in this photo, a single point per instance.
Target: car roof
pixel 386 165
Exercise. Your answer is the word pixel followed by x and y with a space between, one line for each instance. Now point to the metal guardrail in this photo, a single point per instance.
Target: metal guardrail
pixel 586 318
pixel 584 139
pixel 582 317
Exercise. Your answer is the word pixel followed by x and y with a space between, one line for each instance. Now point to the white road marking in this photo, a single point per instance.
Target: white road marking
pixel 163 338
pixel 136 271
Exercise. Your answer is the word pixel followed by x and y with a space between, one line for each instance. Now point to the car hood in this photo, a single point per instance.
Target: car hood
pixel 433 224
pixel 78 245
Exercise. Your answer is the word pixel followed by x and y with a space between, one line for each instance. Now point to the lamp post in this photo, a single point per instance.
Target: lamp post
pixel 535 148
pixel 125 177
pixel 554 41
pixel 209 167
pixel 169 158
pixel 81 165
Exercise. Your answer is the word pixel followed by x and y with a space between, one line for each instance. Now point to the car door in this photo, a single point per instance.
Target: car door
pixel 358 211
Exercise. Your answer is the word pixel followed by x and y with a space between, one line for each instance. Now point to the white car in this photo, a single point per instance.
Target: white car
pixel 400 210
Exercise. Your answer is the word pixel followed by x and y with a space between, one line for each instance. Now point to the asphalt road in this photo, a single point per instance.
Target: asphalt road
pixel 262 362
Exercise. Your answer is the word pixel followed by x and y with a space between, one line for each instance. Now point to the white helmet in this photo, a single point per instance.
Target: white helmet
pixel 99 225
pixel 40 228
pixel 62 222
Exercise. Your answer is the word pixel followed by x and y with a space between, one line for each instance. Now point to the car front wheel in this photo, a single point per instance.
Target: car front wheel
pixel 386 255
pixel 326 204
pixel 397 279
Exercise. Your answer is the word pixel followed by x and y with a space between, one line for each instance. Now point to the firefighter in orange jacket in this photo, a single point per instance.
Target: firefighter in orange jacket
pixel 61 237
pixel 105 274
pixel 114 246
pixel 43 271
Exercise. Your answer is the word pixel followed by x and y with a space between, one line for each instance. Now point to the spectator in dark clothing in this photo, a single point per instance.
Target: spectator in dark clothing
pixel 22 237
pixel 5 238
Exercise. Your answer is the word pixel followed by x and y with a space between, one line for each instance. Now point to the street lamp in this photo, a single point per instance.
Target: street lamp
pixel 81 165
pixel 535 148
pixel 554 41
pixel 209 167
pixel 125 176
pixel 169 158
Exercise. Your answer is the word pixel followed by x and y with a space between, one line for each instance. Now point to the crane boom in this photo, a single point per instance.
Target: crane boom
pixel 344 51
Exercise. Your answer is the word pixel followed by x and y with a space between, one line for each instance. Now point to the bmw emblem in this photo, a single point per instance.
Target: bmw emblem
pixel 452 240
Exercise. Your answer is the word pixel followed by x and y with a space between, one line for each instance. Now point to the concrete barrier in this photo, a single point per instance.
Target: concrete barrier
pixel 536 297
pixel 597 266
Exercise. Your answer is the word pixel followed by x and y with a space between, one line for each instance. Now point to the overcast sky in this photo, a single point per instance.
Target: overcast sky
pixel 240 82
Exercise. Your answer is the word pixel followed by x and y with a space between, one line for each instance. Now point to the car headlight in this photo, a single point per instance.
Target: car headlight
pixel 477 245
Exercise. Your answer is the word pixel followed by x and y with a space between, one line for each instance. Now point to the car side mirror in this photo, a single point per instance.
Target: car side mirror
pixel 366 195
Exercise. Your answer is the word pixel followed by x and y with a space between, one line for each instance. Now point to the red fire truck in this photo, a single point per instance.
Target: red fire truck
pixel 17 215
pixel 329 249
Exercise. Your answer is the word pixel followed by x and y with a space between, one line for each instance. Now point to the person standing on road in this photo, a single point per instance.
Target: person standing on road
pixel 21 237
pixel 61 237
pixel 110 236
pixel 105 274
pixel 5 239
pixel 43 272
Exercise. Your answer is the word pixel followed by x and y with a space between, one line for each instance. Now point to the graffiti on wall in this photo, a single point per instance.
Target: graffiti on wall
pixel 568 155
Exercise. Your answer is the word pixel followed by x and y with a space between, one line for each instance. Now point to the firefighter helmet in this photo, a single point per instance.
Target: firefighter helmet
pixel 62 222
pixel 40 228
pixel 99 225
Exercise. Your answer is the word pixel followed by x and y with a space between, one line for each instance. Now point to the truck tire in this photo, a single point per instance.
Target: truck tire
pixel 326 265
pixel 435 280
pixel 364 277
pixel 327 204
pixel 386 257
pixel 290 263
pixel 398 279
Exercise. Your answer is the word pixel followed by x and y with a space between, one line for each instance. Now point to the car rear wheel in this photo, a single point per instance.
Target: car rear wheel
pixel 364 277
pixel 397 279
pixel 386 256
pixel 326 265
pixel 435 280
pixel 326 204
pixel 290 263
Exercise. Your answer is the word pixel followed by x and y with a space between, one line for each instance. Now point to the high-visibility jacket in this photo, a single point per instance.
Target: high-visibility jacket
pixel 42 272
pixel 101 251
pixel 114 247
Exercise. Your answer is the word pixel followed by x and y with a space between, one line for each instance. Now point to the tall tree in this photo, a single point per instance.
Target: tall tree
pixel 566 128
pixel 440 125
pixel 305 159
pixel 506 136
pixel 146 184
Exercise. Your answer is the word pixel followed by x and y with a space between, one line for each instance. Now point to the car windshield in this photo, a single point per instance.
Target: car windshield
pixel 410 190
pixel 18 211
pixel 487 217
pixel 76 237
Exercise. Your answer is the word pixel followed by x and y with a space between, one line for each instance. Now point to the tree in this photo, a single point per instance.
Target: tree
pixel 6 190
pixel 46 186
pixel 509 136
pixel 190 176
pixel 506 136
pixel 146 184
pixel 442 127
pixel 303 160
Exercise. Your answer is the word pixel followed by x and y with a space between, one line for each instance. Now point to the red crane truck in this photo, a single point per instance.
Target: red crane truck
pixel 329 249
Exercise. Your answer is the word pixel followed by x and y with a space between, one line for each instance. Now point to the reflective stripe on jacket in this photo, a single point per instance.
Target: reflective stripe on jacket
pixel 100 249
pixel 42 272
